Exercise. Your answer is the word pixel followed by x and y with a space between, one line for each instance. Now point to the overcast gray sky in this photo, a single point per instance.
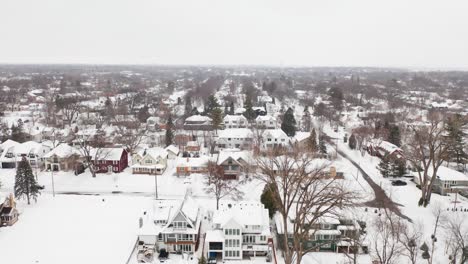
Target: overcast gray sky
pixel 397 33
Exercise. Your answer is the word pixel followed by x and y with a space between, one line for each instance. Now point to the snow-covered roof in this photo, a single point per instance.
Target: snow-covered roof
pixel 192 162
pixel 447 174
pixel 235 154
pixel 62 151
pixel 275 133
pixel 107 153
pixel 250 213
pixel 8 143
pixel 265 118
pixel 28 147
pixel 235 133
pixel 230 118
pixel 239 110
pixel 173 149
pixel 198 118
pixel 153 152
pixel 214 236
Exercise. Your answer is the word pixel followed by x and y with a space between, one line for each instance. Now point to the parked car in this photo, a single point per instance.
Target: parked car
pixel 398 183
pixel 163 255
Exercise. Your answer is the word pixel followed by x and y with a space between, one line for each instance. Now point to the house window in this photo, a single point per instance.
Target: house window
pixel 180 225
pixel 148 161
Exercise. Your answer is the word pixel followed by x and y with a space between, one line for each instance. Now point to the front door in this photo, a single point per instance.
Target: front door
pixel 109 169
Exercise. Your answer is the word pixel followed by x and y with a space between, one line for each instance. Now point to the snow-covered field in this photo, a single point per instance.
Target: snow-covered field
pixel 73 229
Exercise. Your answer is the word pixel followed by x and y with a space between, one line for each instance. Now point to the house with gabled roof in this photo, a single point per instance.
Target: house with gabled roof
pixel 240 230
pixel 234 162
pixel 63 158
pixel 172 225
pixel 150 161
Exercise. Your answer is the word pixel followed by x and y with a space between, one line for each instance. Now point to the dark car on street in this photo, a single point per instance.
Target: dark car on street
pixel 398 183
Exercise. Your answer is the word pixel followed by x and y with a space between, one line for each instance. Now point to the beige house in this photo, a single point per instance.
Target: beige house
pixel 150 161
pixel 63 158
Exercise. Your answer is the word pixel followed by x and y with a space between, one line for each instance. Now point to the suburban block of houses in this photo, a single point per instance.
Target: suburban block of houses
pixel 240 229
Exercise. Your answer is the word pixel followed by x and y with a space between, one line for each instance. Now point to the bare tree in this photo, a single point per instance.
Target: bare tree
pixel 386 240
pixel 456 230
pixel 91 148
pixel 426 150
pixel 301 193
pixel 411 239
pixel 219 186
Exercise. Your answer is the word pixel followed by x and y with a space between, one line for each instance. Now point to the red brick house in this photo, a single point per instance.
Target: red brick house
pixel 109 159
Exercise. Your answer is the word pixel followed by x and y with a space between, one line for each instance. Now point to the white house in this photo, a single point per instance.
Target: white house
pixel 63 157
pixel 447 181
pixel 273 138
pixel 266 122
pixel 235 121
pixel 234 162
pixel 239 229
pixel 33 151
pixel 8 157
pixel 172 151
pixel 241 138
pixel 172 225
pixel 150 161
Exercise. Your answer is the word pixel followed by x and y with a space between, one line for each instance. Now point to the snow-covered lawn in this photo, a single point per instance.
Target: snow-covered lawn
pixel 73 229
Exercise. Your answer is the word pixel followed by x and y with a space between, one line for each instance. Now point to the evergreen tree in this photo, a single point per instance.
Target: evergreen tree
pixel 394 135
pixel 384 167
pixel 25 183
pixel 17 133
pixel 322 146
pixel 352 142
pixel 312 142
pixel 231 108
pixel 397 168
pixel 202 260
pixel 169 131
pixel 188 105
pixel 249 112
pixel 306 119
pixel 268 200
pixel 216 118
pixel 211 104
pixel 289 123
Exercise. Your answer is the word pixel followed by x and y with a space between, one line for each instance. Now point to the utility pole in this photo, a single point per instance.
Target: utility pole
pixel 155 186
pixel 53 185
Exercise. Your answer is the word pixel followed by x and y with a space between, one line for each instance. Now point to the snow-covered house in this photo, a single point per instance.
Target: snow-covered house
pixel 448 181
pixel 241 138
pixel 8 212
pixel 152 123
pixel 235 121
pixel 149 161
pixel 266 122
pixel 186 166
pixel 8 157
pixel 62 158
pixel 328 233
pixel 382 148
pixel 198 122
pixel 109 159
pixel 239 229
pixel 234 162
pixel 32 151
pixel 172 151
pixel 172 225
pixel 273 138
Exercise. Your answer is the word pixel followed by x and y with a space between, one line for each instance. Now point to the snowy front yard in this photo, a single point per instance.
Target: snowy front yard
pixel 73 229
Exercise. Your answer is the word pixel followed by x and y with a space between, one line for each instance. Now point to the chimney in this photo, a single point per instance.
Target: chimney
pixel 332 172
